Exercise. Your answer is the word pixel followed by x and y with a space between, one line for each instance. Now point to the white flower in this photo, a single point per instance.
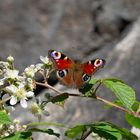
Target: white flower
pixel 45 60
pixel 11 73
pixel 19 94
pixel 2 81
pixel 30 71
pixel 10 58
pixel 39 66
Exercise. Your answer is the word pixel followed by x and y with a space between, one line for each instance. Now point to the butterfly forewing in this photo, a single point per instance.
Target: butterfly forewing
pixel 60 60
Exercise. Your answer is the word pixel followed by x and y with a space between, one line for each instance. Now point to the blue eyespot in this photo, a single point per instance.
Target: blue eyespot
pixel 61 73
pixel 86 78
pixel 56 55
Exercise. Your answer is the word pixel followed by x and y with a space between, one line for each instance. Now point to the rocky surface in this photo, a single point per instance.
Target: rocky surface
pixel 82 30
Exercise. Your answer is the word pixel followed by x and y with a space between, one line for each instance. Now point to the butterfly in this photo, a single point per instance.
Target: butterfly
pixel 73 73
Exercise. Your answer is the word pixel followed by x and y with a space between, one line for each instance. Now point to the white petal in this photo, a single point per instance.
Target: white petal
pixel 13 100
pixel 2 81
pixel 21 86
pixel 44 59
pixel 11 88
pixel 30 94
pixel 23 103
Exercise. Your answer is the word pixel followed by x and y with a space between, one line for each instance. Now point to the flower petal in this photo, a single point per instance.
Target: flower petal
pixel 44 59
pixel 13 100
pixel 11 88
pixel 29 94
pixel 23 103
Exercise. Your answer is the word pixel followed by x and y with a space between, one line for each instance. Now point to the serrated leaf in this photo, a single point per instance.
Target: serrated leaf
pixel 105 130
pixel 126 134
pixel 113 132
pixel 47 131
pixel 132 120
pixel 19 136
pixel 122 91
pixel 75 131
pixel 60 98
pixel 4 118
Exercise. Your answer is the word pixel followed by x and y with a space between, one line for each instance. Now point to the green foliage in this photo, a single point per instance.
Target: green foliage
pixel 60 98
pixel 132 120
pixel 75 131
pixel 12 81
pixel 122 91
pixel 19 136
pixel 103 129
pixel 4 118
pixel 47 131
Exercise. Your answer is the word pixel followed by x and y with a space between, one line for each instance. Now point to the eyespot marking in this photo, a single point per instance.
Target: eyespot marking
pixel 98 62
pixel 86 78
pixel 61 73
pixel 56 55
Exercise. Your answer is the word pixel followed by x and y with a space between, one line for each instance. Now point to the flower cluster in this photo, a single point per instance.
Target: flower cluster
pixel 11 128
pixel 19 87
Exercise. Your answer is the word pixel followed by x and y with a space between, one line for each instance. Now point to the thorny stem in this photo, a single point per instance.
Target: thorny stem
pixel 96 97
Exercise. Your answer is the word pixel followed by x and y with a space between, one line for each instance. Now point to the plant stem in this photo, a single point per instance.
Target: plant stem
pixel 84 136
pixel 96 97
pixel 4 100
pixel 48 86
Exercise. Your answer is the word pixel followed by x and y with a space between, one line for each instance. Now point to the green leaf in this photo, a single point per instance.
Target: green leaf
pixel 48 131
pixel 112 79
pixel 112 132
pixel 19 136
pixel 136 106
pixel 86 89
pixel 132 120
pixel 60 98
pixel 116 102
pixel 75 131
pixel 106 130
pixel 122 91
pixel 4 118
pixel 126 134
pixel 93 81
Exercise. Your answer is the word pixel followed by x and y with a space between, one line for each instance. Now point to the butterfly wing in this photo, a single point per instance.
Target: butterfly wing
pixel 60 61
pixel 63 66
pixel 92 66
pixel 87 70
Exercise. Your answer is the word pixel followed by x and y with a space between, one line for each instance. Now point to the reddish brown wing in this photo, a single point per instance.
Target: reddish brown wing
pixel 92 66
pixel 60 60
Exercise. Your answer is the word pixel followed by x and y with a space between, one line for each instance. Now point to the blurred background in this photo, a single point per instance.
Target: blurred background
pixel 82 29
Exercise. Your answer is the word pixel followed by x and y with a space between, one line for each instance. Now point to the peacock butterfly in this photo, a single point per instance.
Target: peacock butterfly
pixel 73 73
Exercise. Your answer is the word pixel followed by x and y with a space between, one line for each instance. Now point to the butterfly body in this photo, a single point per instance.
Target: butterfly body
pixel 73 73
